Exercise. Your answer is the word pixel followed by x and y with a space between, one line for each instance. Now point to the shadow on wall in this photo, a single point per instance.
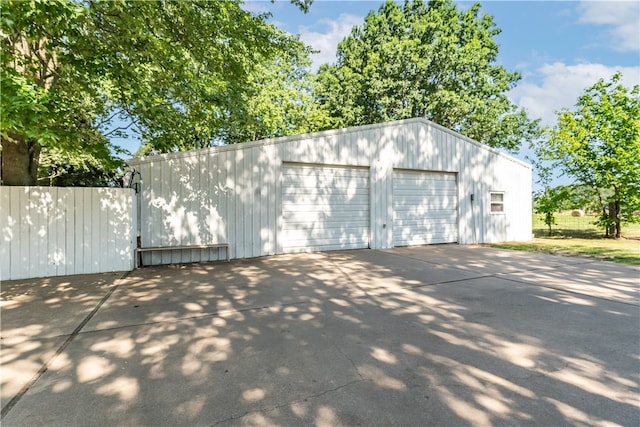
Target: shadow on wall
pixel 340 340
pixel 322 192
pixel 53 231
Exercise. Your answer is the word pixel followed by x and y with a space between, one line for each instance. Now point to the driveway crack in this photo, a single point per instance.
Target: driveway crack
pixel 45 367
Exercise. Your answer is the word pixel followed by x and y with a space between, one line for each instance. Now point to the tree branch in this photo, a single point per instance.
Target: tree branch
pixel 119 128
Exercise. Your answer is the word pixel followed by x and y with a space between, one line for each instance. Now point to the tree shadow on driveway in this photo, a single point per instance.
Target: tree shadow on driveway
pixel 340 338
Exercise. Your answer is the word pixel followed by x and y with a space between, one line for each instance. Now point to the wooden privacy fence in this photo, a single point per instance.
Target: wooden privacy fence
pixel 54 231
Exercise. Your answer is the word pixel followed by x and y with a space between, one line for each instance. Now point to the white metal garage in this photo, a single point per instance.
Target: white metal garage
pixel 425 207
pixel 390 184
pixel 324 208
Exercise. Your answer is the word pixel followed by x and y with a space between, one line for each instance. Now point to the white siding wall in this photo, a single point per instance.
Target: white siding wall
pixel 232 194
pixel 52 231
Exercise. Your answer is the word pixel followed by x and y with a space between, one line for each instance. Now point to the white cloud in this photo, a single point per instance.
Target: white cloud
pixel 622 16
pixel 561 85
pixel 326 42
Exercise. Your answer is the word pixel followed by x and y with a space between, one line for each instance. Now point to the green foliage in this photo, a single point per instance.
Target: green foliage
pixel 548 203
pixel 276 100
pixel 431 61
pixel 567 197
pixel 176 72
pixel 598 144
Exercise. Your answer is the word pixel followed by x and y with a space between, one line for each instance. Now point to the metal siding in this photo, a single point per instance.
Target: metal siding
pixel 206 222
pixel 155 223
pixel 186 217
pixel 253 169
pixel 275 166
pixel 48 214
pixel 145 203
pixel 235 212
pixel 51 231
pixel 68 201
pixel 20 245
pixel 52 226
pixel 324 208
pixel 37 249
pixel 126 249
pixel 112 209
pixel 83 222
pixel 226 196
pixel 7 230
pixel 254 202
pixel 265 175
pixel 196 213
pixel 166 180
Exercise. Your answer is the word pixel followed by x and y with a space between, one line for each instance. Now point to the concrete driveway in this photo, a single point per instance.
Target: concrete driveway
pixel 434 335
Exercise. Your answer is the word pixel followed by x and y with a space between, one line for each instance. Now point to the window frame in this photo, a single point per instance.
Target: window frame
pixel 496 203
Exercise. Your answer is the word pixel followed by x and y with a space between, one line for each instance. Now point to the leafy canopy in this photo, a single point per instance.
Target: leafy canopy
pixel 598 144
pixel 175 71
pixel 425 60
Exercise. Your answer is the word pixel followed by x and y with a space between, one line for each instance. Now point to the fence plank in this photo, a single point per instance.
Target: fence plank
pixel 48 231
pixel 67 197
pixel 7 230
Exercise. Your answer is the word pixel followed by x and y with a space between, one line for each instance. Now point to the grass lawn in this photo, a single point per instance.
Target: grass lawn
pixel 577 236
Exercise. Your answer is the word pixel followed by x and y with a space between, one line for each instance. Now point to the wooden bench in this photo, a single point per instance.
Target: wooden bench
pixel 139 251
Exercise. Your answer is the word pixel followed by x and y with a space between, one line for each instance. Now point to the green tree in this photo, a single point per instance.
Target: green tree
pixel 71 71
pixel 276 101
pixel 279 101
pixel 598 144
pixel 550 201
pixel 425 60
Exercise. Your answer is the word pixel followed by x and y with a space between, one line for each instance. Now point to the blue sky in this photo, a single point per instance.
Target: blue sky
pixel 559 47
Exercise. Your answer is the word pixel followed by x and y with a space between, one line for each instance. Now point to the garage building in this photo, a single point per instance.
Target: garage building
pixel 408 182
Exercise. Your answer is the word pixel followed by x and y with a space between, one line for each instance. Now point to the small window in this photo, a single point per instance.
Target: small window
pixel 497 202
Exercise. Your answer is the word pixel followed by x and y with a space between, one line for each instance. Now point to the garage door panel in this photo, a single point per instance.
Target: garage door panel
pixel 327 212
pixel 329 247
pixel 325 199
pixel 424 177
pixel 426 193
pixel 425 208
pixel 338 178
pixel 300 238
pixel 324 208
pixel 426 222
pixel 334 221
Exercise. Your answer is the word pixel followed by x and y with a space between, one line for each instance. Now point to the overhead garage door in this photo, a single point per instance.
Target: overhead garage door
pixel 425 206
pixel 324 208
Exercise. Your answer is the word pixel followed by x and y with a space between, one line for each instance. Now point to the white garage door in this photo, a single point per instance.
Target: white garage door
pixel 425 206
pixel 324 208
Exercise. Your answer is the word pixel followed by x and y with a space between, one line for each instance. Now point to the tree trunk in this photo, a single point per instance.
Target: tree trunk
pixel 617 217
pixel 20 160
pixel 613 227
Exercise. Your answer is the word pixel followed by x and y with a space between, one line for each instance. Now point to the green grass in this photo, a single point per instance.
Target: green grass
pixel 582 227
pixel 577 236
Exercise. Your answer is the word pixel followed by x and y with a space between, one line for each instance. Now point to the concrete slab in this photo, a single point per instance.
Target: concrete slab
pixel 190 372
pixel 51 306
pixel 594 278
pixel 484 259
pixel 401 337
pixel 37 317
